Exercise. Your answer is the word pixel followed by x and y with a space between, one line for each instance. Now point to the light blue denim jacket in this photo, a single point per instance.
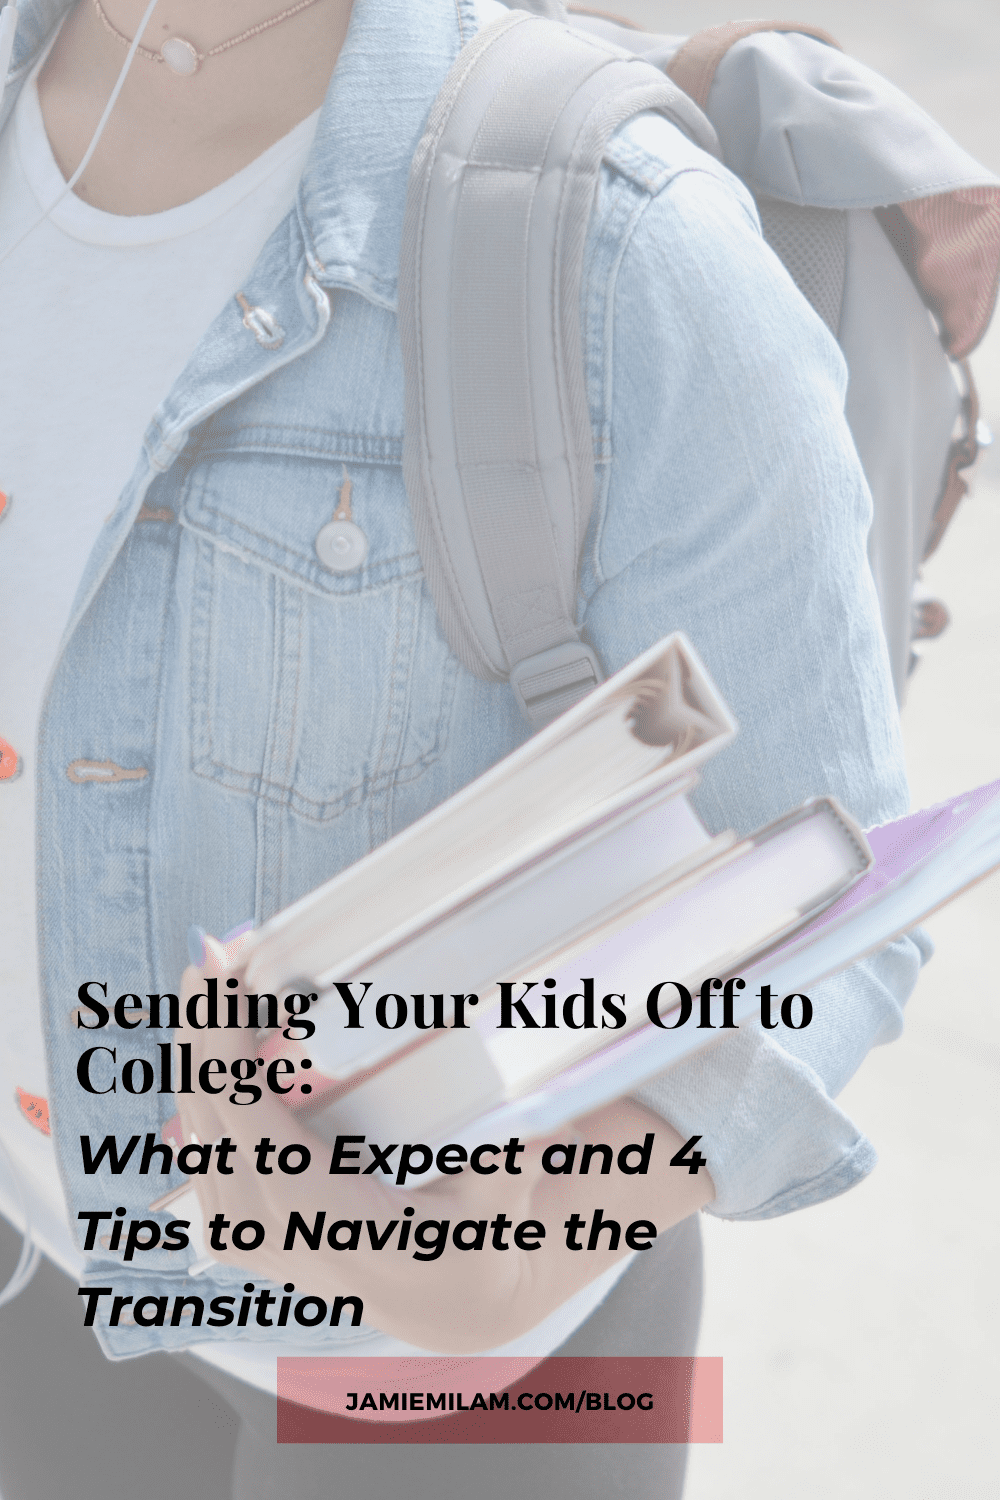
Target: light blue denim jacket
pixel 288 718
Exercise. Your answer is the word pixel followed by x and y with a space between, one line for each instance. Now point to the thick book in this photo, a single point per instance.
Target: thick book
pixel 607 780
pixel 583 834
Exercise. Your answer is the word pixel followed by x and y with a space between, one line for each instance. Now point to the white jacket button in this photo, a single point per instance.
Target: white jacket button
pixel 341 546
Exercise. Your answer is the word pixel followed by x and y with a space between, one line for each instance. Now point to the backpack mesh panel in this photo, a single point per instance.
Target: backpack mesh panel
pixel 812 245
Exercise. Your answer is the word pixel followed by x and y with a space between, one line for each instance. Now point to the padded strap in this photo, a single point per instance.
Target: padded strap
pixel 498 453
pixel 693 67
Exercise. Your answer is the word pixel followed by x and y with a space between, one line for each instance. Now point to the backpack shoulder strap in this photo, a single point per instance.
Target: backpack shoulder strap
pixel 498 452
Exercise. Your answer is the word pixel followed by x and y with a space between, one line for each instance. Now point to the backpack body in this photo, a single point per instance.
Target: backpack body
pixel 502 184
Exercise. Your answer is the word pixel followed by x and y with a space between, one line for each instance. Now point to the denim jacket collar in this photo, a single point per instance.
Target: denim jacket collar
pixel 353 190
pixel 353 193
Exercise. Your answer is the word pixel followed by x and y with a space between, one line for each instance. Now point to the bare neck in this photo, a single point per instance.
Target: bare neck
pixel 172 138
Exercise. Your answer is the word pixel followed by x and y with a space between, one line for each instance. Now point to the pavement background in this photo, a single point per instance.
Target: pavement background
pixel 860 1337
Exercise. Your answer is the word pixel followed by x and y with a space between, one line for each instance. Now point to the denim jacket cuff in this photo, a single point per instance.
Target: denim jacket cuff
pixel 773 1139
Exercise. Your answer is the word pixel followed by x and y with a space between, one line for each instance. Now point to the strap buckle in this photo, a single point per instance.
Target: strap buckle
pixel 551 681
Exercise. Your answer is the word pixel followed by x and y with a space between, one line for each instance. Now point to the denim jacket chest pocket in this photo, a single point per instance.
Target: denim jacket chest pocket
pixel 309 687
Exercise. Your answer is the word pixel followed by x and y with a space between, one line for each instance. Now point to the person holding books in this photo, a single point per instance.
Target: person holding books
pixel 211 714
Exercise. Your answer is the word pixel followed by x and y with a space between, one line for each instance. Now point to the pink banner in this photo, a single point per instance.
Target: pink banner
pixel 473 1399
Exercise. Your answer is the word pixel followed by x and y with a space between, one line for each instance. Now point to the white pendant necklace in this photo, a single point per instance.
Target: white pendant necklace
pixel 181 56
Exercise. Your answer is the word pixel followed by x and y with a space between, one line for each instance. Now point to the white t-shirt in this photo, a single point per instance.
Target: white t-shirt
pixel 101 313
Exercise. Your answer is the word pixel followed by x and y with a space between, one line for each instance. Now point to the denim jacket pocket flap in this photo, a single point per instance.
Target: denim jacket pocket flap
pixel 270 507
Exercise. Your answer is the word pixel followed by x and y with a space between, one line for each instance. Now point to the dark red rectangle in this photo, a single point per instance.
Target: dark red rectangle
pixel 489 1399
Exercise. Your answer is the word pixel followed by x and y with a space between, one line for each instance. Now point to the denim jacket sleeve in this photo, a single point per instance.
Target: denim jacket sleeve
pixel 731 504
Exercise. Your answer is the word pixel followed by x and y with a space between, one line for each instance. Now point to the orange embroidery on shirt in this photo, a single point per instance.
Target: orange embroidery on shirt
pixel 35 1110
pixel 4 503
pixel 10 761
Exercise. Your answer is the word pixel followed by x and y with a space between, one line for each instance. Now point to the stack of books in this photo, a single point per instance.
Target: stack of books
pixel 579 863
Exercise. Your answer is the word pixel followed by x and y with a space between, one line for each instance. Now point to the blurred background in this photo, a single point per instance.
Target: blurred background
pixel 860 1338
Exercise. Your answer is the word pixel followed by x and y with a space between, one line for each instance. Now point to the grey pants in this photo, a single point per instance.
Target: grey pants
pixel 173 1428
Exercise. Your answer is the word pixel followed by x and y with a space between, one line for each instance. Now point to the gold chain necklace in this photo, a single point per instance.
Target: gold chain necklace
pixel 181 56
